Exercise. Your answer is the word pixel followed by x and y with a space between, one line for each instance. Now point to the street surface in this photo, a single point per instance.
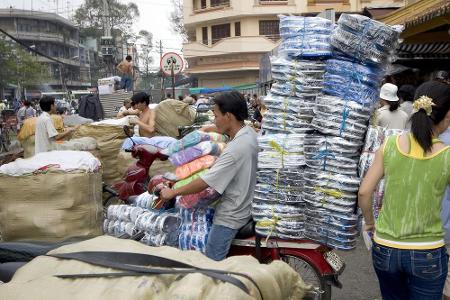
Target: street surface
pixel 359 279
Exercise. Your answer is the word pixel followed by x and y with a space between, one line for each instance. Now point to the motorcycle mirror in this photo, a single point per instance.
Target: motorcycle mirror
pixel 127 131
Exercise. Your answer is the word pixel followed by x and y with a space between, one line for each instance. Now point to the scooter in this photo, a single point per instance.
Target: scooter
pixel 318 265
pixel 136 177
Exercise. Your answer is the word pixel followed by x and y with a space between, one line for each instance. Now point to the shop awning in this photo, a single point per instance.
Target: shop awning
pixel 203 90
pixel 427 50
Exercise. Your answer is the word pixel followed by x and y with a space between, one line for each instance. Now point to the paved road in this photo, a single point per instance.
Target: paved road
pixel 359 279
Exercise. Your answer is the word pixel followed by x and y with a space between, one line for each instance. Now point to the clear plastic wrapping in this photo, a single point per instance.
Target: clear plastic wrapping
pixel 365 39
pixel 352 81
pixel 196 224
pixel 305 37
pixel 333 154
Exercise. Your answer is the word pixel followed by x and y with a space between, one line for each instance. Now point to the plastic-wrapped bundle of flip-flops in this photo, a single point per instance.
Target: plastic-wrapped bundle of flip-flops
pixel 196 224
pixel 329 153
pixel 337 117
pixel 352 81
pixel 365 39
pixel 280 151
pixel 287 114
pixel 330 204
pixel 305 37
pixel 159 227
pixel 375 138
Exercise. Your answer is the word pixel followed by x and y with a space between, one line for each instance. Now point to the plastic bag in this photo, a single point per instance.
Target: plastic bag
pixel 192 139
pixel 192 153
pixel 195 166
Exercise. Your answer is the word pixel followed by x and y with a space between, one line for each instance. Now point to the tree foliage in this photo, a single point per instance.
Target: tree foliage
pixel 19 66
pixel 89 16
pixel 177 19
pixel 145 58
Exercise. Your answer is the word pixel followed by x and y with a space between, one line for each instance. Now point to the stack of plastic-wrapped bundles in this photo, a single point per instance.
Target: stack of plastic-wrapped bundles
pixel 159 227
pixel 375 137
pixel 278 206
pixel 341 117
pixel 193 155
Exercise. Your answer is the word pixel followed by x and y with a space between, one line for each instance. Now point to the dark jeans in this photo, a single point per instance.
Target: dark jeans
pixel 219 241
pixel 410 274
pixel 126 82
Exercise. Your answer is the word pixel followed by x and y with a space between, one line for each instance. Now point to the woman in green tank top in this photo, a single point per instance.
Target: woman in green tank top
pixel 408 250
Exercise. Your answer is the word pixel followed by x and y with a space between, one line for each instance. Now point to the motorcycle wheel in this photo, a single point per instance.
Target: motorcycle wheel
pixel 309 275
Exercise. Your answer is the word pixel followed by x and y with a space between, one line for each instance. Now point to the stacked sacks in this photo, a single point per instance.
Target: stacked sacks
pixel 375 137
pixel 193 155
pixel 341 119
pixel 278 205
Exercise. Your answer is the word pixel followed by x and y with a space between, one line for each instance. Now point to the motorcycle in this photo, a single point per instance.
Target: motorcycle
pixel 136 177
pixel 318 265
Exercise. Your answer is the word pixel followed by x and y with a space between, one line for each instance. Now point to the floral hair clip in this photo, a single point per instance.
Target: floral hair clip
pixel 425 103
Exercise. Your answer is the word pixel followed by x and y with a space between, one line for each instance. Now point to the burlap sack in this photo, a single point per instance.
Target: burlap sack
pixel 36 279
pixel 28 146
pixel 169 114
pixel 109 141
pixel 53 206
pixel 82 144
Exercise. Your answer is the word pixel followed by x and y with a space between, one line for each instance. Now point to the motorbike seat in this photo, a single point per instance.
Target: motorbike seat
pixel 246 231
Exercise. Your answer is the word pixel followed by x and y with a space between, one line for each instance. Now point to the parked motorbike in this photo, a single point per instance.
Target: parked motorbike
pixel 318 265
pixel 136 177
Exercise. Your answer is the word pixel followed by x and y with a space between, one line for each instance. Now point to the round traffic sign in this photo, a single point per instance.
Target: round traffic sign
pixel 169 60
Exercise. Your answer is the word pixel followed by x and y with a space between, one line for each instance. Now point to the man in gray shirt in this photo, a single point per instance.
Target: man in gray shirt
pixel 233 175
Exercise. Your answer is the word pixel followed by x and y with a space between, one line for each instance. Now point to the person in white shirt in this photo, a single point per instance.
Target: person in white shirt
pixel 389 115
pixel 46 133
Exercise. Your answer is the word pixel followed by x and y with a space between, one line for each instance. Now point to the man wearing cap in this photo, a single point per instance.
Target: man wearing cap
pixel 389 115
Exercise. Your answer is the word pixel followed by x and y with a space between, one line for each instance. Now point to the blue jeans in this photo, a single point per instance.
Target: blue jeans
pixel 410 274
pixel 126 82
pixel 219 241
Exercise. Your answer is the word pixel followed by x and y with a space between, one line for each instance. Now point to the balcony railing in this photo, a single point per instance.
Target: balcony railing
pixel 273 1
pixel 213 5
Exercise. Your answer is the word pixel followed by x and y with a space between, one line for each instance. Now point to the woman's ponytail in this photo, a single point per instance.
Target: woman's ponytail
pixel 422 129
pixel 393 105
pixel 430 108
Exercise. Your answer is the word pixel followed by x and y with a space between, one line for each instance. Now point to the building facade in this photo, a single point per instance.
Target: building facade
pixel 227 38
pixel 56 37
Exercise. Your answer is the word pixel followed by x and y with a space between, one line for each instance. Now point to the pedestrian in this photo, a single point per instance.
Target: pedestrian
pixel 233 175
pixel 442 76
pixel 126 69
pixel 445 216
pixel 406 95
pixel 46 134
pixel 389 115
pixel 408 251
pixel 25 112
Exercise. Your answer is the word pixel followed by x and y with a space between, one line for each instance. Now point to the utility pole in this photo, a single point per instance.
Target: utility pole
pixel 162 73
pixel 107 40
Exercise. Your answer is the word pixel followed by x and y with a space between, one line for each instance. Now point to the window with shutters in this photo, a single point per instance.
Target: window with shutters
pixel 219 32
pixel 270 29
pixel 237 29
pixel 205 35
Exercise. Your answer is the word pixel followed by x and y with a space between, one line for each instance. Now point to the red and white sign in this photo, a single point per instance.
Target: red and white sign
pixel 171 60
